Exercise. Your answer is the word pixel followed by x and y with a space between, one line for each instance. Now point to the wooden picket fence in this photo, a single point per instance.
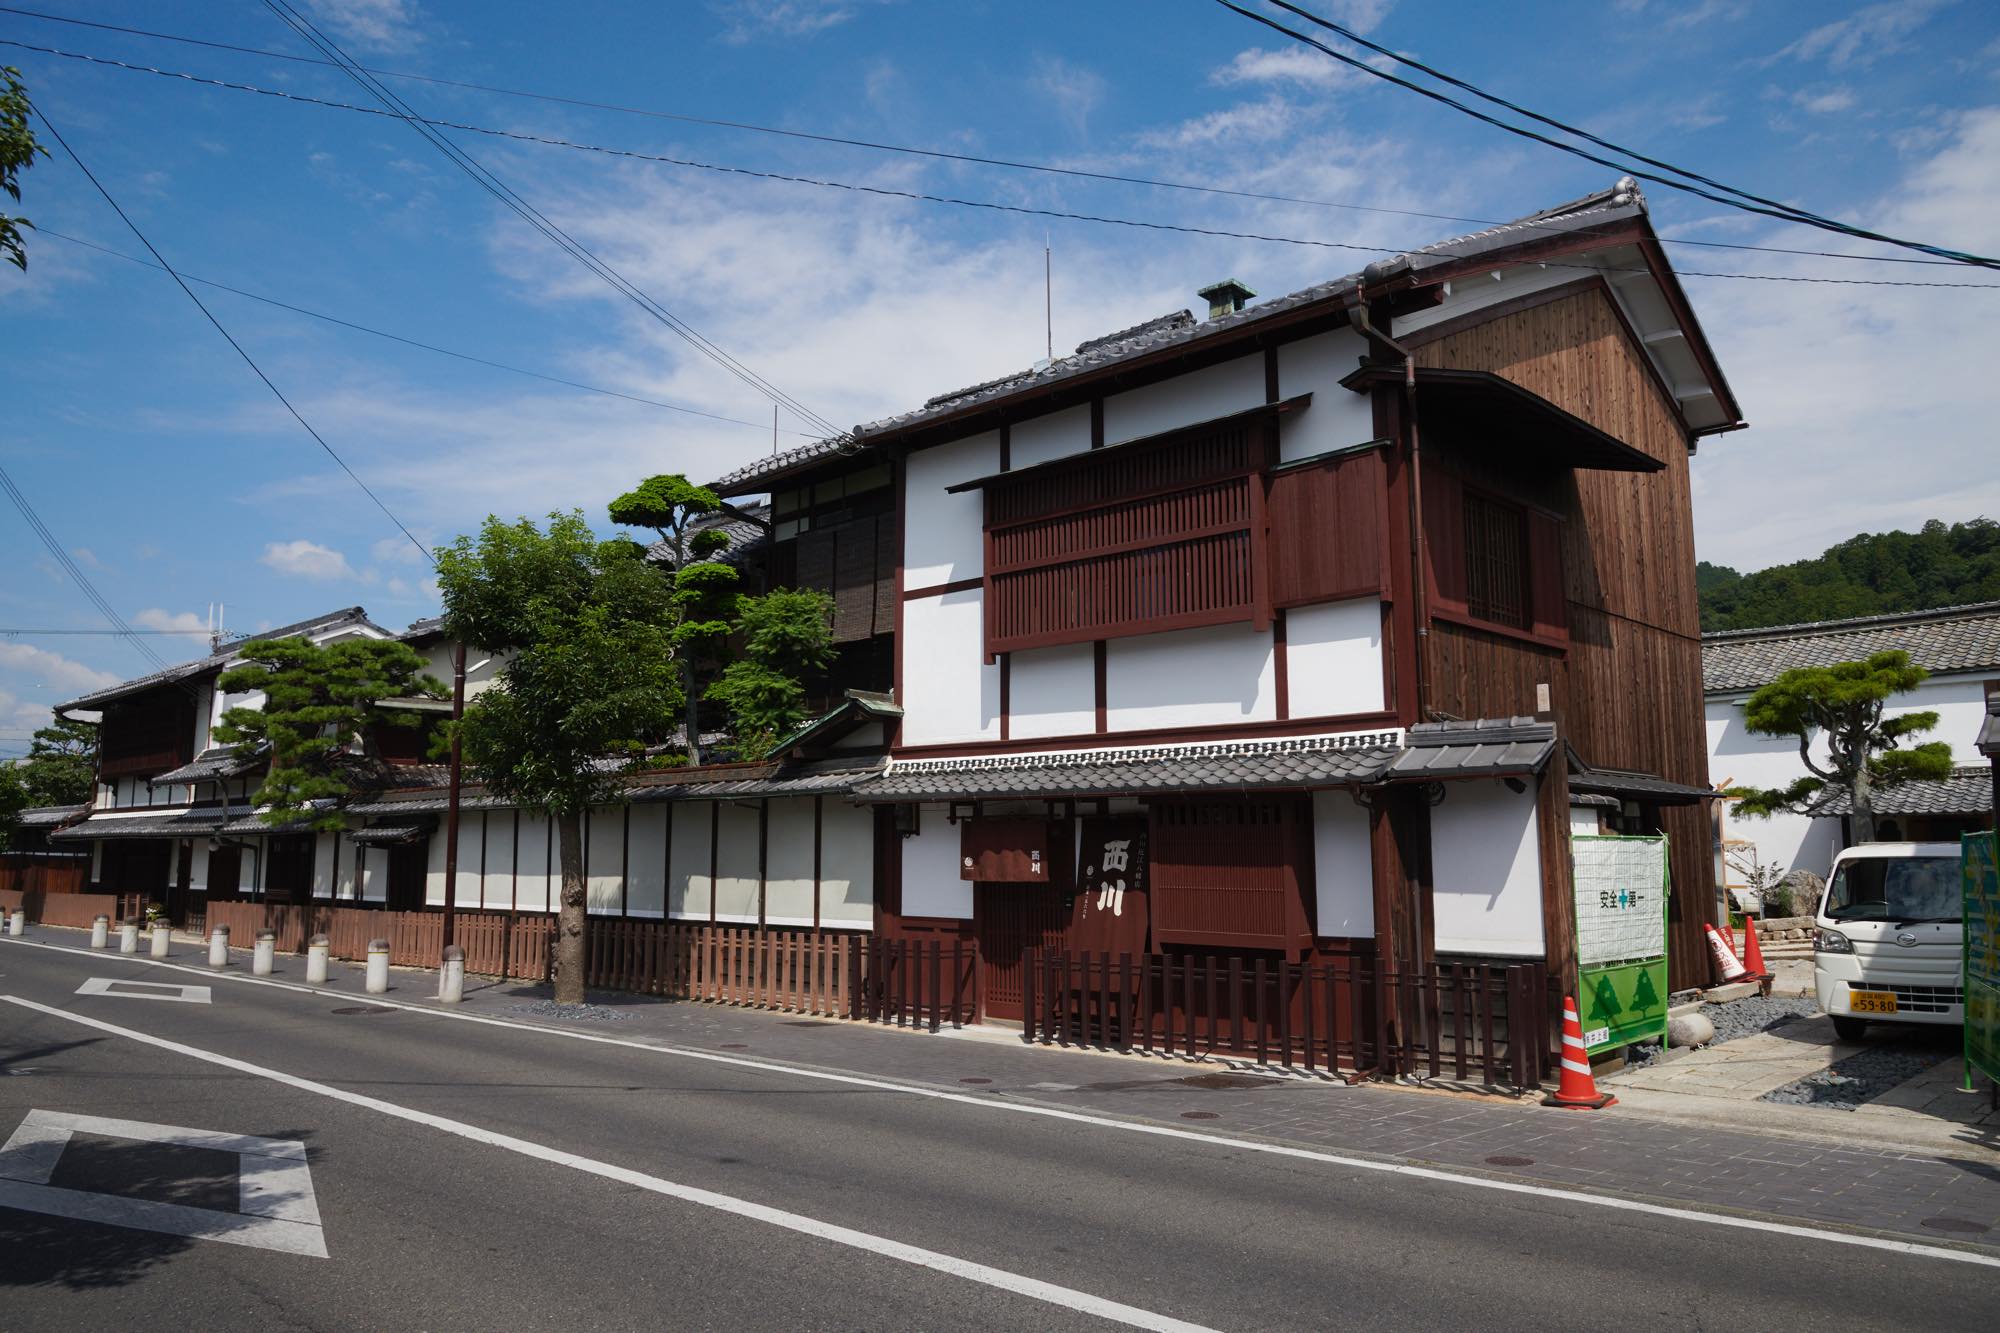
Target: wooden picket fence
pixel 72 909
pixel 1467 1021
pixel 820 973
pixel 43 872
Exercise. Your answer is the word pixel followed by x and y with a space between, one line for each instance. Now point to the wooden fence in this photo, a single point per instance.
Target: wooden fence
pixel 831 975
pixel 72 909
pixel 43 872
pixel 1346 1016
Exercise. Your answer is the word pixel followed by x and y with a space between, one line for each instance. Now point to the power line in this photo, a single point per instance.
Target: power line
pixel 494 186
pixel 1783 212
pixel 248 360
pixel 407 341
pixel 947 200
pixel 938 154
pixel 69 565
pixel 10 631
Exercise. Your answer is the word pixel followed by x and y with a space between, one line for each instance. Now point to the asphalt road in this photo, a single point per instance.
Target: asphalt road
pixel 471 1175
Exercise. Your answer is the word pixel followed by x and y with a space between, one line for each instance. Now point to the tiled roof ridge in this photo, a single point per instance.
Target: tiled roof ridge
pixel 1809 628
pixel 1173 319
pixel 1141 754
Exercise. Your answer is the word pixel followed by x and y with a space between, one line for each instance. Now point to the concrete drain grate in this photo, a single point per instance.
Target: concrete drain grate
pixel 733 1046
pixel 1955 1224
pixel 364 1010
pixel 975 1080
pixel 1199 1115
pixel 1504 1160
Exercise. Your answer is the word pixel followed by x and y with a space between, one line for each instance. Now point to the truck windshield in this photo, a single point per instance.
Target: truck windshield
pixel 1896 888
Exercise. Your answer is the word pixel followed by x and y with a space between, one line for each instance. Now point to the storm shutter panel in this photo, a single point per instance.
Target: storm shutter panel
pixel 1326 530
pixel 1444 539
pixel 1545 574
pixel 816 560
pixel 854 581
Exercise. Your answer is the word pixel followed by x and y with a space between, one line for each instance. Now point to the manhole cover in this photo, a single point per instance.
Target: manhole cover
pixel 975 1080
pixel 1228 1081
pixel 1504 1160
pixel 364 1010
pixel 1955 1224
pixel 1199 1115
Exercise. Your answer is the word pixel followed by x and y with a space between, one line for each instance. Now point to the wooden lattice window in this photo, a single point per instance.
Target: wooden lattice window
pixel 1136 540
pixel 1496 561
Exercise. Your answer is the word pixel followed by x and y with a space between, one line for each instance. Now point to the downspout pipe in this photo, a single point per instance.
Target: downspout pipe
pixel 1357 318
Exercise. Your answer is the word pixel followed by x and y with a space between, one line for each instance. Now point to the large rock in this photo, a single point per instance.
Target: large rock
pixel 1690 1030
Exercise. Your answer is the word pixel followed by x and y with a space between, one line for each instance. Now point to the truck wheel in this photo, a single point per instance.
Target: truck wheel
pixel 1849 1029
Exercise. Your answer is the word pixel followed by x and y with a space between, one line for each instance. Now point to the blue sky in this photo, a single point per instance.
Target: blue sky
pixel 176 480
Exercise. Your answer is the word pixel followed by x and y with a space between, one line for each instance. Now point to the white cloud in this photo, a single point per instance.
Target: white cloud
pixel 307 560
pixel 176 622
pixel 747 20
pixel 396 550
pixel 1073 90
pixel 1246 122
pixel 53 670
pixel 1871 408
pixel 381 25
pixel 1824 101
pixel 1300 65
pixel 1864 36
pixel 87 558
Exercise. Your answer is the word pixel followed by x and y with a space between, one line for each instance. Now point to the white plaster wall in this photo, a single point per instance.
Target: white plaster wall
pixel 197 867
pixel 1193 677
pixel 1336 417
pixel 604 863
pixel 537 876
pixel 1583 821
pixel 1486 871
pixel 736 864
pixel 1343 869
pixel 950 693
pixel 868 737
pixel 690 892
pixel 944 535
pixel 324 845
pixel 1185 400
pixel 847 865
pixel 496 837
pixel 434 872
pixel 646 862
pixel 374 875
pixel 1057 435
pixel 931 883
pixel 1333 658
pixel 788 865
pixel 1052 691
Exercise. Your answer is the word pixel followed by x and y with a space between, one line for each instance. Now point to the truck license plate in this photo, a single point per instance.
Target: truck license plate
pixel 1871 1002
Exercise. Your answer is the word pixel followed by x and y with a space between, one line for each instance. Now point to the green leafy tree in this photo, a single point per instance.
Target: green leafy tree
pixel 18 151
pixel 13 800
pixel 590 682
pixel 704 590
pixel 61 767
pixel 1866 752
pixel 320 702
pixel 785 636
pixel 1884 573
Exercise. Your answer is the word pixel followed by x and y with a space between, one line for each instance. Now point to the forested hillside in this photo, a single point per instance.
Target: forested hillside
pixel 1879 573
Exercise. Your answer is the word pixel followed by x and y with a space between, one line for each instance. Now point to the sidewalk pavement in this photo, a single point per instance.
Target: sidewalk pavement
pixel 1944 1196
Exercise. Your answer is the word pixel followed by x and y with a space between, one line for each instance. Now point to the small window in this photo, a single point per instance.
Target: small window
pixel 1496 561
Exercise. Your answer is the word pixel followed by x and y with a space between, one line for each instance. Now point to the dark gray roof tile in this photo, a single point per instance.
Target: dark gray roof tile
pixel 1968 791
pixel 1950 638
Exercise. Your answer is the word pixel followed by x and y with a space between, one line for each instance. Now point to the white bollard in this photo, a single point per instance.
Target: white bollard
pixel 100 931
pixel 17 923
pixel 162 934
pixel 316 960
pixel 218 947
pixel 378 966
pixel 128 937
pixel 451 977
pixel 266 953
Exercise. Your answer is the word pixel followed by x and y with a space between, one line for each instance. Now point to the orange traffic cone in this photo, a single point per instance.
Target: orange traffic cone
pixel 1753 952
pixel 1576 1090
pixel 1725 958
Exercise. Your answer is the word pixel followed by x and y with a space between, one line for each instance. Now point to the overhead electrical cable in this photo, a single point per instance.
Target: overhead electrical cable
pixel 1782 212
pixel 499 189
pixel 227 337
pixel 872 145
pixel 953 201
pixel 411 342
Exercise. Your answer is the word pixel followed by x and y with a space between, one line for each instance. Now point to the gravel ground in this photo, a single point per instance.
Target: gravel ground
pixel 1757 1013
pixel 1863 1076
pixel 575 1013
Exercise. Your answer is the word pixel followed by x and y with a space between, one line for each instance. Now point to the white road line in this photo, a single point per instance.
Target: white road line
pixel 157 990
pixel 1156 1131
pixel 1034 1288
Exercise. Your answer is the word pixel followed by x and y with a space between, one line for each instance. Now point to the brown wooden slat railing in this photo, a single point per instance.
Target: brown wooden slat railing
pixel 70 909
pixel 40 872
pixel 910 983
pixel 1345 1016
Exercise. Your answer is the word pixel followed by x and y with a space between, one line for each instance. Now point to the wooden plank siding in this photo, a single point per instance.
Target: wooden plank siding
pixel 1626 689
